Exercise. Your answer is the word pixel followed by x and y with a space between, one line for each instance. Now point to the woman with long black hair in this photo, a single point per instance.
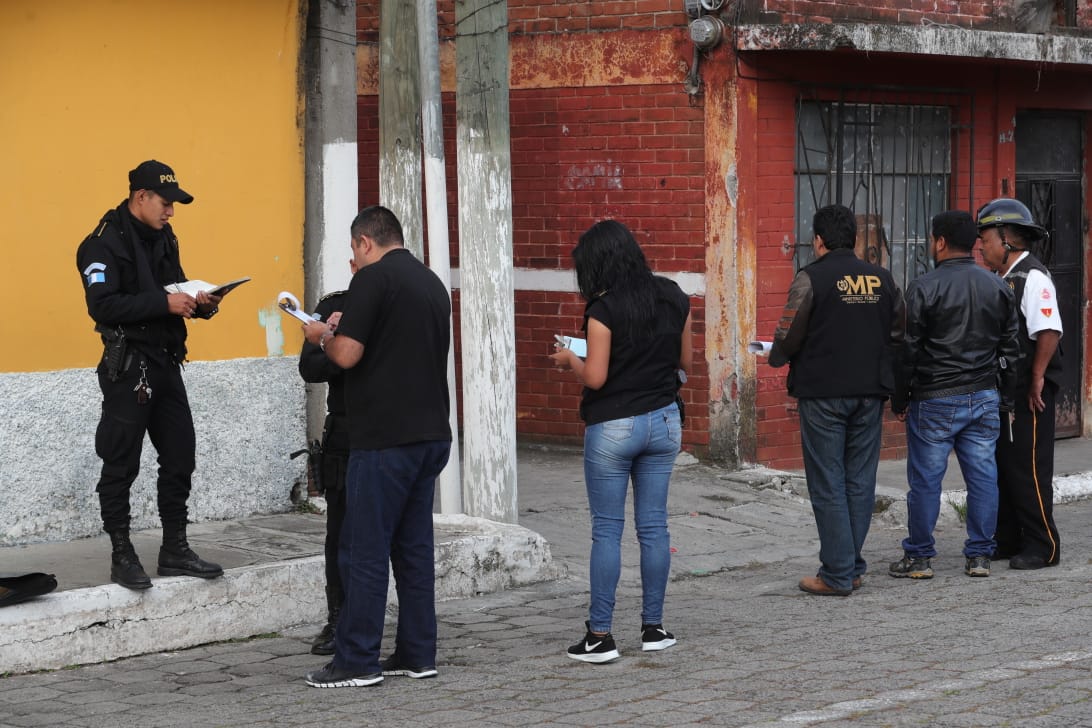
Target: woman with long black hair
pixel 638 335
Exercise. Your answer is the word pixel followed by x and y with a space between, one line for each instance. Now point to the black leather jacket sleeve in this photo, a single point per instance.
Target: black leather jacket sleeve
pixel 792 329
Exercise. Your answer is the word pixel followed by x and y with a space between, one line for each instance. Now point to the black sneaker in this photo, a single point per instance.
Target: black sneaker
pixel 655 637
pixel 977 566
pixel 594 648
pixel 912 568
pixel 335 677
pixel 393 666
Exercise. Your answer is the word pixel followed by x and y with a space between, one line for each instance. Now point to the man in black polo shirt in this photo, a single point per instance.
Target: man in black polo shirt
pixel 392 340
pixel 840 324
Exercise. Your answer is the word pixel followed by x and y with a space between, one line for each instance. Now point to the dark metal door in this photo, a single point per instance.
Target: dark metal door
pixel 1048 181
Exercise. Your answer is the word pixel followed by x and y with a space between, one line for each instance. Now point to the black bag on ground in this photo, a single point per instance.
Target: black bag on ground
pixel 15 588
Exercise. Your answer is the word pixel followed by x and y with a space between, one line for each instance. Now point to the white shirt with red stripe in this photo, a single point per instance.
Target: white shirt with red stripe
pixel 1040 303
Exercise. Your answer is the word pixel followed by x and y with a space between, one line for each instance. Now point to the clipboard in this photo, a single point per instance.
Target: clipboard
pixel 291 306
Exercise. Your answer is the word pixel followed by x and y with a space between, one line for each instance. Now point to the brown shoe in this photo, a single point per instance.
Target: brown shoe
pixel 856 583
pixel 815 585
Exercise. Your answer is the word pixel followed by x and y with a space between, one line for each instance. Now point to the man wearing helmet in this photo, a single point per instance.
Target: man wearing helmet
pixel 1026 533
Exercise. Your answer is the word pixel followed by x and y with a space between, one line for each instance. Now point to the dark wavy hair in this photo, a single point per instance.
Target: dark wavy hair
pixel 609 261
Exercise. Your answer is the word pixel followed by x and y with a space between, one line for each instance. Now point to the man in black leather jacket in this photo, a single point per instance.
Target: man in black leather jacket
pixel 960 346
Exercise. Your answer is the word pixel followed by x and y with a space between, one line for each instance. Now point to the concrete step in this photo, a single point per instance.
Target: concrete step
pixel 273 579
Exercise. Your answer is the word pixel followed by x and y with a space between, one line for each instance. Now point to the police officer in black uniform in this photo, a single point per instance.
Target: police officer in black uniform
pixel 1026 532
pixel 316 367
pixel 128 264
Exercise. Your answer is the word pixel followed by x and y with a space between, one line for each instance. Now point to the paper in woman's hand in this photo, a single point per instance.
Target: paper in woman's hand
pixel 577 346
pixel 762 348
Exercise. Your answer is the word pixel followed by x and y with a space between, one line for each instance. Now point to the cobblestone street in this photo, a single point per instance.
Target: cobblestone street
pixel 1010 650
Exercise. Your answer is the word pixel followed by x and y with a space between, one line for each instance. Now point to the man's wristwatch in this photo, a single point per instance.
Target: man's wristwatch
pixel 326 335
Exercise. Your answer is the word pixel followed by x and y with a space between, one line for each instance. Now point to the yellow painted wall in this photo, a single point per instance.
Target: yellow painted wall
pixel 90 88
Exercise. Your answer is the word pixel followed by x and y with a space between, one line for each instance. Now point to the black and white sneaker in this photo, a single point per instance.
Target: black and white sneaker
pixel 335 677
pixel 394 666
pixel 655 637
pixel 597 648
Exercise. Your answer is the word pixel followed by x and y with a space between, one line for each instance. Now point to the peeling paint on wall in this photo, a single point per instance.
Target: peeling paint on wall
pixel 271 319
pixel 932 40
pixel 604 176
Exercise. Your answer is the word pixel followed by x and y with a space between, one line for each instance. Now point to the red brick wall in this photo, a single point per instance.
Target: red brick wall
pixel 630 144
pixel 777 430
pixel 566 16
pixel 528 17
pixel 367 149
pixel 579 155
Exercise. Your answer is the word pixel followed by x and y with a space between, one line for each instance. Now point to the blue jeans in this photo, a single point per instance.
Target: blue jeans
pixel 840 438
pixel 644 448
pixel 388 521
pixel 970 424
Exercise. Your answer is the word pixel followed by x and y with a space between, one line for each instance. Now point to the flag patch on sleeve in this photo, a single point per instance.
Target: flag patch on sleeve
pixel 95 273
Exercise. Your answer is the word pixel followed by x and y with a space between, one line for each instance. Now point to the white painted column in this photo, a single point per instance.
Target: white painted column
pixel 439 256
pixel 487 312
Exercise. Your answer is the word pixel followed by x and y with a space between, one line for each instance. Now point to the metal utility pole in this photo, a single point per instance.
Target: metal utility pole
pixel 399 119
pixel 485 253
pixel 439 256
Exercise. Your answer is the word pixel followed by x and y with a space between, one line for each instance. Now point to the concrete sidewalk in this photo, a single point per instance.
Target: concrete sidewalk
pixel 274 572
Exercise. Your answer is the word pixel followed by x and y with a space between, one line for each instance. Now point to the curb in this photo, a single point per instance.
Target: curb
pixel 102 623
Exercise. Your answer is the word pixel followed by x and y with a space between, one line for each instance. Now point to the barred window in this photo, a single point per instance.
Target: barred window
pixel 891 163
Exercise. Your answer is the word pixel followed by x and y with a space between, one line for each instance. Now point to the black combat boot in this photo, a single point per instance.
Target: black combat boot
pixel 324 643
pixel 176 558
pixel 125 568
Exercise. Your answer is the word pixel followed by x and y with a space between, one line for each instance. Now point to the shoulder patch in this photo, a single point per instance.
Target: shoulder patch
pixel 95 273
pixel 331 295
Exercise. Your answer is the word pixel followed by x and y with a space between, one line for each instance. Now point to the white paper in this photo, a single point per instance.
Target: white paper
pixel 291 306
pixel 762 348
pixel 193 287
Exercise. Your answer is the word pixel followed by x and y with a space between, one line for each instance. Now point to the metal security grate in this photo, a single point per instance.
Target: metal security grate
pixel 1040 201
pixel 890 155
